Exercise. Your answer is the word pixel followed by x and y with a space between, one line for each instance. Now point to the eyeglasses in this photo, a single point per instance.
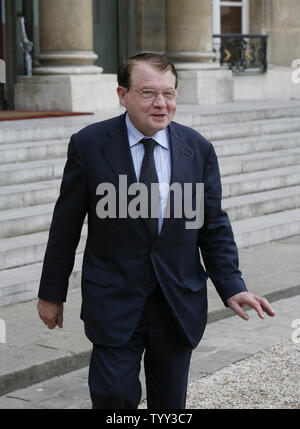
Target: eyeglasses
pixel 150 94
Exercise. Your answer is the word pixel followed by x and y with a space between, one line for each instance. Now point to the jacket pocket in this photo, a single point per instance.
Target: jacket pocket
pixel 99 274
pixel 196 283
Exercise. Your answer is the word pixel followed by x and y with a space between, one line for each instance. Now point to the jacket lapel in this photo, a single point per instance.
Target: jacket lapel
pixel 117 153
pixel 181 157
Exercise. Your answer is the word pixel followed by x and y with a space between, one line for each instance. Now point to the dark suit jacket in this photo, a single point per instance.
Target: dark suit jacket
pixel 119 252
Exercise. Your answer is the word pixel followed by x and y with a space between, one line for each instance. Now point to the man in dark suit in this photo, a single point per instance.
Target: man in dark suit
pixel 143 285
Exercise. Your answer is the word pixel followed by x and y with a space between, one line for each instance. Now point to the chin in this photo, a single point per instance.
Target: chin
pixel 160 125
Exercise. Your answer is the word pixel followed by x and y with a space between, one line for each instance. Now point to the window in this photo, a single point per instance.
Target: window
pixel 230 16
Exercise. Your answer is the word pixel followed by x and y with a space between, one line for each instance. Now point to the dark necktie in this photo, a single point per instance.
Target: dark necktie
pixel 148 175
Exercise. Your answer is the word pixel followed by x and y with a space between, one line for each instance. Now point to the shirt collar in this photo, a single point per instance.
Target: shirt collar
pixel 135 136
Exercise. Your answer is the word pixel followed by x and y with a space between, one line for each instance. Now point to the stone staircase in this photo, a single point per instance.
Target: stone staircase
pixel 258 145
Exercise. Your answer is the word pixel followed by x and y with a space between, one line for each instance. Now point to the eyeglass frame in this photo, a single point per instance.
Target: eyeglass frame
pixel 156 94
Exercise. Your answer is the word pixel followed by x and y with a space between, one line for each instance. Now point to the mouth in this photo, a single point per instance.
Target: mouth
pixel 159 116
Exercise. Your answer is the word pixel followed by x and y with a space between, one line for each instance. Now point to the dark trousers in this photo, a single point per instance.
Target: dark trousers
pixel 114 371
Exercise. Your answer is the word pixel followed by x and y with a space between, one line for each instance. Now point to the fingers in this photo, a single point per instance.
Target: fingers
pixel 50 313
pixel 60 320
pixel 261 305
pixel 266 307
pixel 51 324
pixel 238 310
pixel 49 321
pixel 254 303
pixel 258 303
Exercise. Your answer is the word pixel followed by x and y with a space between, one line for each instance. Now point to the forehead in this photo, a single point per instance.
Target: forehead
pixel 146 75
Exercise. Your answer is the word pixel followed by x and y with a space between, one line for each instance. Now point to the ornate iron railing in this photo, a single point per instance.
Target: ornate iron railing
pixel 242 52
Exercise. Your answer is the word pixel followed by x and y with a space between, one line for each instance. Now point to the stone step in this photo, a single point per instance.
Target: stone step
pixel 194 116
pixel 33 219
pixel 22 283
pixel 30 131
pixel 249 129
pixel 63 128
pixel 237 112
pixel 245 145
pixel 49 128
pixel 259 153
pixel 28 249
pixel 240 184
pixel 29 194
pixel 44 192
pixel 258 161
pixel 31 171
pixel 263 229
pixel 51 149
pixel 28 220
pixel 52 169
pixel 262 203
pixel 33 151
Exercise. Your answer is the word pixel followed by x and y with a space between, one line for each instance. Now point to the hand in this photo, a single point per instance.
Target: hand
pixel 51 313
pixel 260 304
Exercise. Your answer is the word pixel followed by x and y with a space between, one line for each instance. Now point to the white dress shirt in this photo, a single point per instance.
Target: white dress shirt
pixel 162 159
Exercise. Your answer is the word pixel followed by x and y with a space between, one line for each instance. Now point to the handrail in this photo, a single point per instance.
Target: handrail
pixel 249 36
pixel 241 53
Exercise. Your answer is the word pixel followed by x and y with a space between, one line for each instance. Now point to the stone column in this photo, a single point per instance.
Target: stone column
pixel 189 45
pixel 286 32
pixel 66 79
pixel 66 38
pixel 280 20
pixel 151 26
pixel 189 30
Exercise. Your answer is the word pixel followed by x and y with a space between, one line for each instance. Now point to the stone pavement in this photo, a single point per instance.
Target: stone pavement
pixel 34 358
pixel 225 342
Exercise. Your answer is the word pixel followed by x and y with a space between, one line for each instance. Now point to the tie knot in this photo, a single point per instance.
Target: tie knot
pixel 149 145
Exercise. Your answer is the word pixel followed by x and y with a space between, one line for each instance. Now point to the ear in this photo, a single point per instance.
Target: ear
pixel 121 91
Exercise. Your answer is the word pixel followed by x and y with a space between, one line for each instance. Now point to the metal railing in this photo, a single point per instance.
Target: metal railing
pixel 242 52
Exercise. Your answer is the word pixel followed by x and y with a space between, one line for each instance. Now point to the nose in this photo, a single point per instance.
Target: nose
pixel 159 100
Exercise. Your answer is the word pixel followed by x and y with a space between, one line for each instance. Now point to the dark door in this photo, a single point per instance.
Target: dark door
pixel 106 34
pixel 11 11
pixel 231 18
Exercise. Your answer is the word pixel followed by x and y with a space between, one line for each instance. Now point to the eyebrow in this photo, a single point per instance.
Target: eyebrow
pixel 153 89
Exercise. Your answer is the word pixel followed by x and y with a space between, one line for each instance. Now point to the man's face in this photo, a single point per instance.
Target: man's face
pixel 149 116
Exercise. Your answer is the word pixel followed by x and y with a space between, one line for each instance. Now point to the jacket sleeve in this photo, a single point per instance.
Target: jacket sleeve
pixel 215 239
pixel 65 230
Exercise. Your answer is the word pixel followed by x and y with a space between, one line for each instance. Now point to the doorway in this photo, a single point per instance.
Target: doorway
pixel 105 14
pixel 10 13
pixel 231 17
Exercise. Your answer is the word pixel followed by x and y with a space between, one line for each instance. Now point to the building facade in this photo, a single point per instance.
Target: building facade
pixel 79 44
